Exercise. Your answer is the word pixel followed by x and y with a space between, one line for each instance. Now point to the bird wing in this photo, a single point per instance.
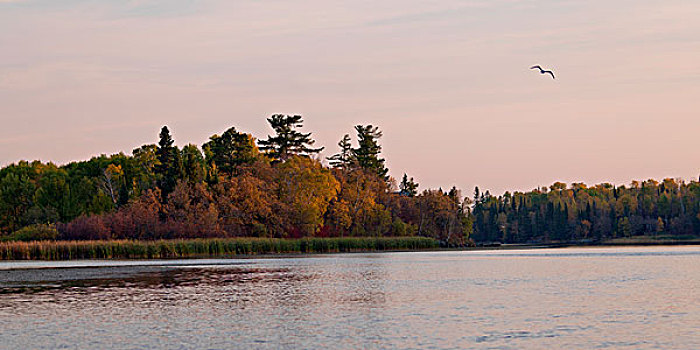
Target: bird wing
pixel 538 67
pixel 550 72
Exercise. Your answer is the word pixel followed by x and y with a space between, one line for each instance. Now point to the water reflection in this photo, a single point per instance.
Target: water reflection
pixel 141 277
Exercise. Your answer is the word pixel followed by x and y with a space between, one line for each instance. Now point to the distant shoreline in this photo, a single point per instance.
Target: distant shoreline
pixel 617 242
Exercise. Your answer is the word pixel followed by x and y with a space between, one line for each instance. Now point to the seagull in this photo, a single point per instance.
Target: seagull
pixel 542 71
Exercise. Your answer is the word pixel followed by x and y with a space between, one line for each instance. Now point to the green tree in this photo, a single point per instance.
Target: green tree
pixel 287 141
pixel 52 195
pixel 344 158
pixel 169 167
pixel 367 153
pixel 193 165
pixel 146 161
pixel 232 149
pixel 16 197
pixel 408 187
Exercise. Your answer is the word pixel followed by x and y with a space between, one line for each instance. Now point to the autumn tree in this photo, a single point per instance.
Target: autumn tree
pixel 248 206
pixel 234 190
pixel 360 206
pixel 191 212
pixel 307 188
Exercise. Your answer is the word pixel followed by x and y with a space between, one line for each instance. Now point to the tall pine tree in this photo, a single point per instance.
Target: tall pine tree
pixel 344 158
pixel 367 153
pixel 287 141
pixel 169 167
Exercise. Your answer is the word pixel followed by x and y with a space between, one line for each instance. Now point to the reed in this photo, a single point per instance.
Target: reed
pixel 203 248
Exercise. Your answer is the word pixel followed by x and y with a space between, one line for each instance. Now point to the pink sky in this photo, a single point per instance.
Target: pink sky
pixel 447 82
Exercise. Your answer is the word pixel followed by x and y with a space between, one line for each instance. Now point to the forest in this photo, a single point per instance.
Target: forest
pixel 235 185
pixel 577 212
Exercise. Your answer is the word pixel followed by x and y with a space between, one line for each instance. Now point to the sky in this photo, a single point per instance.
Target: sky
pixel 446 81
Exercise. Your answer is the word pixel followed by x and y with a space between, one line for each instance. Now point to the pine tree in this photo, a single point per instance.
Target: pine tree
pixel 288 141
pixel 192 164
pixel 408 187
pixel 344 158
pixel 169 167
pixel 367 153
pixel 232 149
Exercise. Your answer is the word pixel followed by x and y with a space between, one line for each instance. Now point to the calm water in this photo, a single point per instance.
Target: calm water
pixel 599 298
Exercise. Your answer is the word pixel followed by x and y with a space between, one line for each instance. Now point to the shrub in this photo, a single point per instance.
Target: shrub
pixel 85 228
pixel 39 232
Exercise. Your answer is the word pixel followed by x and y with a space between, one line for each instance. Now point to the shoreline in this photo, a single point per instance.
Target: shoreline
pixel 203 248
pixel 168 261
pixel 641 243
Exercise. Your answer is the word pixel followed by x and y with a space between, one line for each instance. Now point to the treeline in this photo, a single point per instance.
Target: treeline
pixel 237 186
pixel 231 186
pixel 578 212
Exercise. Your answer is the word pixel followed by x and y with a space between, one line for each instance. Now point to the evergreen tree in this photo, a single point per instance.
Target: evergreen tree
pixel 192 164
pixel 287 141
pixel 367 153
pixel 344 158
pixel 169 167
pixel 230 150
pixel 408 187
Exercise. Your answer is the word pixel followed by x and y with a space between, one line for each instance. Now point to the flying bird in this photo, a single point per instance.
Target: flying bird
pixel 542 71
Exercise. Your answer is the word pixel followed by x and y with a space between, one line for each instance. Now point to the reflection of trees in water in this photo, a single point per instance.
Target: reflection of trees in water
pixel 154 278
pixel 300 300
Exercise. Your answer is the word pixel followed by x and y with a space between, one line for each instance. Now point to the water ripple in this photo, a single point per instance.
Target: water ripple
pixel 437 300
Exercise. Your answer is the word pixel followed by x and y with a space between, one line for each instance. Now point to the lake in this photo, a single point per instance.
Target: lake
pixel 573 298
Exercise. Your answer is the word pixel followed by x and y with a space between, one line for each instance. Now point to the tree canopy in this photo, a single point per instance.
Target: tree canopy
pixel 232 149
pixel 228 187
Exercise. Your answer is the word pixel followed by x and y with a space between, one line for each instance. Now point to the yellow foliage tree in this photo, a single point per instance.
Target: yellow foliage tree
pixel 307 188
